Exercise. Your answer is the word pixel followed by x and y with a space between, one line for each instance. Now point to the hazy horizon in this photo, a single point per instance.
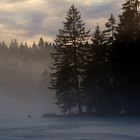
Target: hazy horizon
pixel 28 20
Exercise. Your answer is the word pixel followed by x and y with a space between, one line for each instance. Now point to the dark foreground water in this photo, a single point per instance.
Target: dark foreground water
pixel 70 128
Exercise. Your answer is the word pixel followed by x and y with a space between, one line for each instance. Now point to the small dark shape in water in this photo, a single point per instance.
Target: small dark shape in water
pixel 29 116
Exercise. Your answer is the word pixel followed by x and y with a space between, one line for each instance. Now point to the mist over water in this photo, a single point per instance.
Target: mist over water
pixel 22 89
pixel 23 106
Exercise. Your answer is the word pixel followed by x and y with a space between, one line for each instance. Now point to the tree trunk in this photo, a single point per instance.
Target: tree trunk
pixel 80 108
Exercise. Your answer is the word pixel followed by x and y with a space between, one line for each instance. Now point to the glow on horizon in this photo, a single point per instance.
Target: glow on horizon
pixel 28 20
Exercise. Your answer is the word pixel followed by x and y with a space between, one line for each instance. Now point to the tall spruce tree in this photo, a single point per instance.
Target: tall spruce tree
pixel 41 43
pixel 93 81
pixel 126 60
pixel 13 48
pixel 129 21
pixel 128 41
pixel 68 61
pixel 110 30
pixel 61 79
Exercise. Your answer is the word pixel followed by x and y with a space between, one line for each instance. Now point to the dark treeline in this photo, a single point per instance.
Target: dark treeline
pixel 98 72
pixel 15 51
pixel 94 72
pixel 18 54
pixel 21 65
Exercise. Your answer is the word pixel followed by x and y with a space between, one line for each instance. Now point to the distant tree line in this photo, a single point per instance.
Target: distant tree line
pixel 99 72
pixel 22 64
pixel 22 51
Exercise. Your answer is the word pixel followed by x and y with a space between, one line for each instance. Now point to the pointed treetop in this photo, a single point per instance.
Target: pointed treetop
pixel 74 28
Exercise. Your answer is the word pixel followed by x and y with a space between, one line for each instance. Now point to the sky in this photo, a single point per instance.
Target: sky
pixel 28 20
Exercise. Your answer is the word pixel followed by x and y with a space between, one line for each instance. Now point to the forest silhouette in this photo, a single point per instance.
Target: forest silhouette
pixel 91 72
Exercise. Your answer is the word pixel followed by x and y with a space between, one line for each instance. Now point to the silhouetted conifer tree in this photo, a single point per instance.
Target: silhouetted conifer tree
pixel 95 75
pixel 3 47
pixel 68 59
pixel 13 46
pixel 41 43
pixel 110 30
pixel 126 60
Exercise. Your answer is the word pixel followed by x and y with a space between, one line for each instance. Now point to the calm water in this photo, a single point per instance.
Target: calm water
pixel 70 129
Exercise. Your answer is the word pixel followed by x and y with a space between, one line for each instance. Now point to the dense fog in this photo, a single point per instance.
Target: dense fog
pixel 22 89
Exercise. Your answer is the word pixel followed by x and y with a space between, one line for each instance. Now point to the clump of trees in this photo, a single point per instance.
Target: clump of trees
pixel 21 65
pixel 16 51
pixel 94 72
pixel 99 71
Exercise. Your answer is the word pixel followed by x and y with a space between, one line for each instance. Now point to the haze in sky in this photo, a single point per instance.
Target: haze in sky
pixel 27 20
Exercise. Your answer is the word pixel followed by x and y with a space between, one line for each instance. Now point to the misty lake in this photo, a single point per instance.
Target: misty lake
pixel 70 128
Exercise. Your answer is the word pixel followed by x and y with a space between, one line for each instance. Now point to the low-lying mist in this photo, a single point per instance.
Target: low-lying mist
pixel 23 91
